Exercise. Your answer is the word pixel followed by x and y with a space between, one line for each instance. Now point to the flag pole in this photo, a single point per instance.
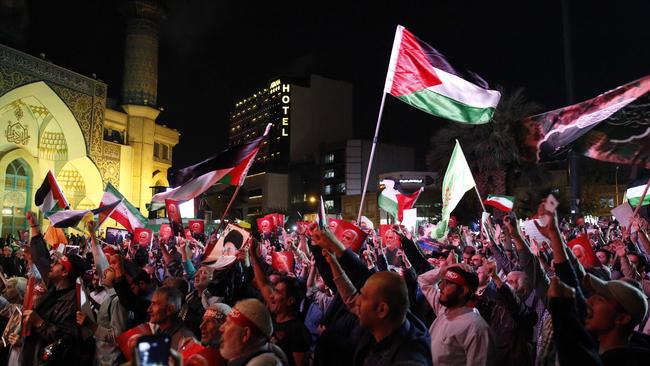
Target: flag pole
pixel 638 205
pixel 225 212
pixel 375 139
pixel 479 197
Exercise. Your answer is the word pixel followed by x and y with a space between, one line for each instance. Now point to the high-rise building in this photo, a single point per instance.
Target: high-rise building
pixel 303 115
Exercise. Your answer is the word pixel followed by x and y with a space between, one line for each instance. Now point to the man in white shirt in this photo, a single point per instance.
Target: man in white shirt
pixel 459 335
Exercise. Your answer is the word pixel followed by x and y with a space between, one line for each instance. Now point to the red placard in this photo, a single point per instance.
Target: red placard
pixel 165 232
pixel 265 225
pixel 582 249
pixel 28 302
pixel 174 216
pixel 282 261
pixel 196 354
pixel 129 339
pixel 143 236
pixel 197 226
pixel 350 235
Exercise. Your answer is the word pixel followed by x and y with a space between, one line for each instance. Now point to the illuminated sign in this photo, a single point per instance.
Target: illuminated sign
pixel 419 181
pixel 275 86
pixel 286 101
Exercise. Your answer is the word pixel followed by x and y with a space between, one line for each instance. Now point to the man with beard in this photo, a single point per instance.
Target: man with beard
pixel 283 300
pixel 52 320
pixel 459 335
pixel 246 334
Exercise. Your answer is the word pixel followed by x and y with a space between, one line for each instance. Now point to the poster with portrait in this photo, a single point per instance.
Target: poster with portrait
pixel 265 225
pixel 197 226
pixel 165 232
pixel 282 261
pixel 389 237
pixel 174 216
pixel 584 252
pixel 231 240
pixel 142 236
pixel 349 234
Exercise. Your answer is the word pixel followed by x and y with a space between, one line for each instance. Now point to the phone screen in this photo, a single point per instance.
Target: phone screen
pixel 153 350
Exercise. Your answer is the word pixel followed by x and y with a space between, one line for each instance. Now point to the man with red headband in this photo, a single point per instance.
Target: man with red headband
pixel 246 334
pixel 53 318
pixel 459 335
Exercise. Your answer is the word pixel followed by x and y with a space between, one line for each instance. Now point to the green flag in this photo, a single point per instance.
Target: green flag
pixel 458 180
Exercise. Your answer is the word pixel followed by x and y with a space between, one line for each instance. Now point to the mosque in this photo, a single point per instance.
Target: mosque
pixel 52 118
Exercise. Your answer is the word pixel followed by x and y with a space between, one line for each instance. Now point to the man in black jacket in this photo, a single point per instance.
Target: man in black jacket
pixel 53 319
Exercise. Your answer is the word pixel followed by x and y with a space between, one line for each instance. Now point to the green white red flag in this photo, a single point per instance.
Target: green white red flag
pixel 422 77
pixel 125 213
pixel 458 180
pixel 503 203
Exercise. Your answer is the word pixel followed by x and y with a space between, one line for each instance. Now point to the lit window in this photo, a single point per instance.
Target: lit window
pixel 329 173
pixel 329 158
pixel 327 189
pixel 329 204
pixel 340 187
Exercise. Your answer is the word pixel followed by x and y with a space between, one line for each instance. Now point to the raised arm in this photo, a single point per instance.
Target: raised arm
pixel 261 279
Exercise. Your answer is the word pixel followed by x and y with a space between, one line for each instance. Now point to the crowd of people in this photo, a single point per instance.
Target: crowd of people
pixel 496 297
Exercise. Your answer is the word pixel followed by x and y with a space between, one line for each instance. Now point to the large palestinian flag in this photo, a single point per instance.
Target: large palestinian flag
pixel 227 167
pixel 613 127
pixel 422 77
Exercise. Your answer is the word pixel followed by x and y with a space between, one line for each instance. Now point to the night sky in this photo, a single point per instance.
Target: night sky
pixel 214 52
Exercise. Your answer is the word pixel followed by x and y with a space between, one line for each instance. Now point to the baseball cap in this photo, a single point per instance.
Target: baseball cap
pixel 632 300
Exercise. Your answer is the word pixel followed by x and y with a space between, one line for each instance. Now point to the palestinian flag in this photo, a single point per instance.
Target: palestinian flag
pixel 72 218
pixel 503 203
pixel 634 194
pixel 394 201
pixel 49 197
pixel 612 127
pixel 228 167
pixel 125 213
pixel 422 77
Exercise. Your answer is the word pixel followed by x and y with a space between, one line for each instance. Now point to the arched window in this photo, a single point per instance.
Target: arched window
pixel 17 196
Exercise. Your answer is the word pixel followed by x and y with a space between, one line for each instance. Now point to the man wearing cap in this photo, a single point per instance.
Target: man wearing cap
pixel 613 310
pixel 53 316
pixel 459 335
pixel 246 334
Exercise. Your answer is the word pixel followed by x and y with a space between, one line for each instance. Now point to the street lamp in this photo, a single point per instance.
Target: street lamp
pixel 312 199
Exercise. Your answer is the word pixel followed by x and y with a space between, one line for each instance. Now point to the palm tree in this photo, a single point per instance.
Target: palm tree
pixel 491 149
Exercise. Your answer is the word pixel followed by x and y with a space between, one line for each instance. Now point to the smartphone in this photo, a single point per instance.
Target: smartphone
pixel 153 350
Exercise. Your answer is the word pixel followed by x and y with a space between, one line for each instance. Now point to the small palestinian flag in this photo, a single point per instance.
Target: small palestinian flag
pixel 634 195
pixel 49 197
pixel 422 77
pixel 503 203
pixel 72 218
pixel 394 201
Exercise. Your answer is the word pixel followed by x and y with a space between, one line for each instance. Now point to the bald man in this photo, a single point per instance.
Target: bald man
pixel 390 337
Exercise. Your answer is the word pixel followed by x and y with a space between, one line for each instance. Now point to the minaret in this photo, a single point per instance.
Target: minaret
pixel 140 90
